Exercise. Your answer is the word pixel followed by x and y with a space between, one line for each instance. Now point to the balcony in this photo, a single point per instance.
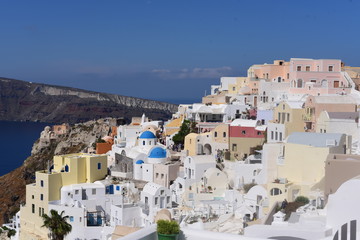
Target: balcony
pixel 308 117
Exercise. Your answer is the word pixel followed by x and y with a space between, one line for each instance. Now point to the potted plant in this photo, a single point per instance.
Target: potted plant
pixel 167 230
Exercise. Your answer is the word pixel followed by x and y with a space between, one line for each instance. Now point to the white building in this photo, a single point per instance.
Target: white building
pixel 154 197
pixel 195 166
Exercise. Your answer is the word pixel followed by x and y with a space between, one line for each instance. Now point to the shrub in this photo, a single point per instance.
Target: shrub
pixel 167 227
pixel 302 199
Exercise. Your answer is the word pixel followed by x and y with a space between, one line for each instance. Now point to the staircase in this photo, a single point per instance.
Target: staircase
pixel 355 148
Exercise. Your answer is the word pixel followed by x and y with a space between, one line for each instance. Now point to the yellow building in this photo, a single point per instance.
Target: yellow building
pixel 241 82
pixel 301 170
pixel 190 144
pixel 287 119
pixel 67 169
pixel 207 143
pixel 173 126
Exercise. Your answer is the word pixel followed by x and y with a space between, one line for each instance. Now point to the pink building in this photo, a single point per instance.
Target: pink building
pixel 305 76
pixel 318 77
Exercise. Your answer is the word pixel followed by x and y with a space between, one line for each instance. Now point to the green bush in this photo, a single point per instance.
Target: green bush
pixel 11 233
pixel 167 227
pixel 302 199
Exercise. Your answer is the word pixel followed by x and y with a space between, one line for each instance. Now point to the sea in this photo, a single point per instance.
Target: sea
pixel 16 141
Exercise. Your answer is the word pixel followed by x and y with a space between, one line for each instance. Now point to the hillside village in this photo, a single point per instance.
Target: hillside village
pixel 270 155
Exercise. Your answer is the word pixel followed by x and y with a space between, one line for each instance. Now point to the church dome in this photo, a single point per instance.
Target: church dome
pixel 147 135
pixel 157 152
pixel 139 162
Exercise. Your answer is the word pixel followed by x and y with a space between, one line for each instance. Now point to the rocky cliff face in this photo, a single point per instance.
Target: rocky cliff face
pixel 79 138
pixel 25 101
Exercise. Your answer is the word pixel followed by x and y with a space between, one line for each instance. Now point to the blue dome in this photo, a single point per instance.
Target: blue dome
pixel 139 162
pixel 158 152
pixel 147 134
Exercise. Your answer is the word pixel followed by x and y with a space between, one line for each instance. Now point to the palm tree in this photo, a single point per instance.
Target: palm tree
pixel 57 224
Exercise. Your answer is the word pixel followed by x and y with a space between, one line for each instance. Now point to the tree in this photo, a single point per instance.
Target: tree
pixel 186 128
pixel 57 224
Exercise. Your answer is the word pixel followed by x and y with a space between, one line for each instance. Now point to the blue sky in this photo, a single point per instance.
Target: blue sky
pixel 167 49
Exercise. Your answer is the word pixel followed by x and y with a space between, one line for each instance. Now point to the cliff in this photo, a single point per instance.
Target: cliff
pixel 26 101
pixel 79 138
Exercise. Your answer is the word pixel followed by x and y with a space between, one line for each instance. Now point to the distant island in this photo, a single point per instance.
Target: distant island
pixel 28 101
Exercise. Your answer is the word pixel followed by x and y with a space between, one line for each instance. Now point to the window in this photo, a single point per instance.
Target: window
pixel 144 143
pixel 156 201
pixel 283 106
pixel 41 183
pixel 99 165
pixel 41 197
pixel 280 136
pixel 224 134
pixel 234 147
pixel 299 83
pixel 288 117
pixel 162 191
pixel 331 68
pixel 162 176
pixel 243 132
pixel 233 88
pixel 215 134
pixel 276 135
pixel 298 68
pixel 32 196
pixel 258 133
pixel 76 192
pixel 272 135
pixel 117 188
pixel 275 191
pixel 307 68
pixel 80 219
pixel 168 199
pixel 71 218
pixel 40 211
pixel 33 208
pixel 93 191
pixel 288 75
pixel 157 175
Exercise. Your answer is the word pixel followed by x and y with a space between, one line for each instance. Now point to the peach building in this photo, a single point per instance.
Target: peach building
pixel 339 168
pixel 276 72
pixel 314 105
pixel 165 174
pixel 61 129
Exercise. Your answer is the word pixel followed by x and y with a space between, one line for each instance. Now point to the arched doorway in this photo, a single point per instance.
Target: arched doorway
pixel 207 149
